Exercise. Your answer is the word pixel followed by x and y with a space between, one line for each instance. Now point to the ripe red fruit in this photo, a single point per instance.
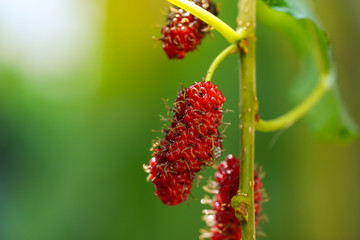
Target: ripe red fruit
pixel 191 141
pixel 184 31
pixel 223 223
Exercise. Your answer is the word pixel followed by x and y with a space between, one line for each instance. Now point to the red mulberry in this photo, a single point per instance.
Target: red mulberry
pixel 224 225
pixel 191 141
pixel 184 31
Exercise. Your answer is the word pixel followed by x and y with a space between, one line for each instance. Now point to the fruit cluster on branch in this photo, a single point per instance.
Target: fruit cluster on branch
pixel 223 223
pixel 183 31
pixel 190 142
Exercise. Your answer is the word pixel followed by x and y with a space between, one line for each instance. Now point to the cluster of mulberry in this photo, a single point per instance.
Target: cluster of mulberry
pixel 183 31
pixel 191 141
pixel 223 223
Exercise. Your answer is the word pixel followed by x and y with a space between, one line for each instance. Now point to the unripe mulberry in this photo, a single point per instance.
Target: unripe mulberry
pixel 191 141
pixel 183 31
pixel 223 223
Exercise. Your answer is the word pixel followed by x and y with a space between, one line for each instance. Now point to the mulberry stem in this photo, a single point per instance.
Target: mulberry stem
pixel 228 33
pixel 248 108
pixel 227 51
pixel 290 117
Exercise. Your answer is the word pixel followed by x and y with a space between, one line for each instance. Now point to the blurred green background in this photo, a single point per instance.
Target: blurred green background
pixel 81 84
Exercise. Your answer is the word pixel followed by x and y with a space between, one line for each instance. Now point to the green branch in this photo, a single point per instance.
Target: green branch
pixel 286 120
pixel 248 108
pixel 227 51
pixel 228 33
pixel 290 117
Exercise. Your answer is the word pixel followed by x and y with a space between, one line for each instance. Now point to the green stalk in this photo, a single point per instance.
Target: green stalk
pixel 227 51
pixel 229 34
pixel 248 108
pixel 287 119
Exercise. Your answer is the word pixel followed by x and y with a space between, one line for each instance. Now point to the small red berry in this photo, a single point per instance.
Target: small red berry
pixel 191 142
pixel 184 32
pixel 224 224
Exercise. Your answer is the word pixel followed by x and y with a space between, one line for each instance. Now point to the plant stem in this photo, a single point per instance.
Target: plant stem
pixel 227 51
pixel 228 33
pixel 290 117
pixel 248 108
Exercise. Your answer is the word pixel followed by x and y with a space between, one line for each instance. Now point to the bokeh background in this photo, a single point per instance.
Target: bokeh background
pixel 81 83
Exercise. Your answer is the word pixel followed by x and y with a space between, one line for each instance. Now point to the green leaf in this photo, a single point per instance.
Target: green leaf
pixel 294 18
pixel 276 3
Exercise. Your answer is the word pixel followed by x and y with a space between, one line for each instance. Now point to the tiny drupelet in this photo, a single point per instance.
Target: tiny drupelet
pixel 183 31
pixel 223 223
pixel 190 142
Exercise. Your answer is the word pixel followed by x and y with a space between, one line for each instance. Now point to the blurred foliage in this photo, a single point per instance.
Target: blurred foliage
pixel 295 19
pixel 81 84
